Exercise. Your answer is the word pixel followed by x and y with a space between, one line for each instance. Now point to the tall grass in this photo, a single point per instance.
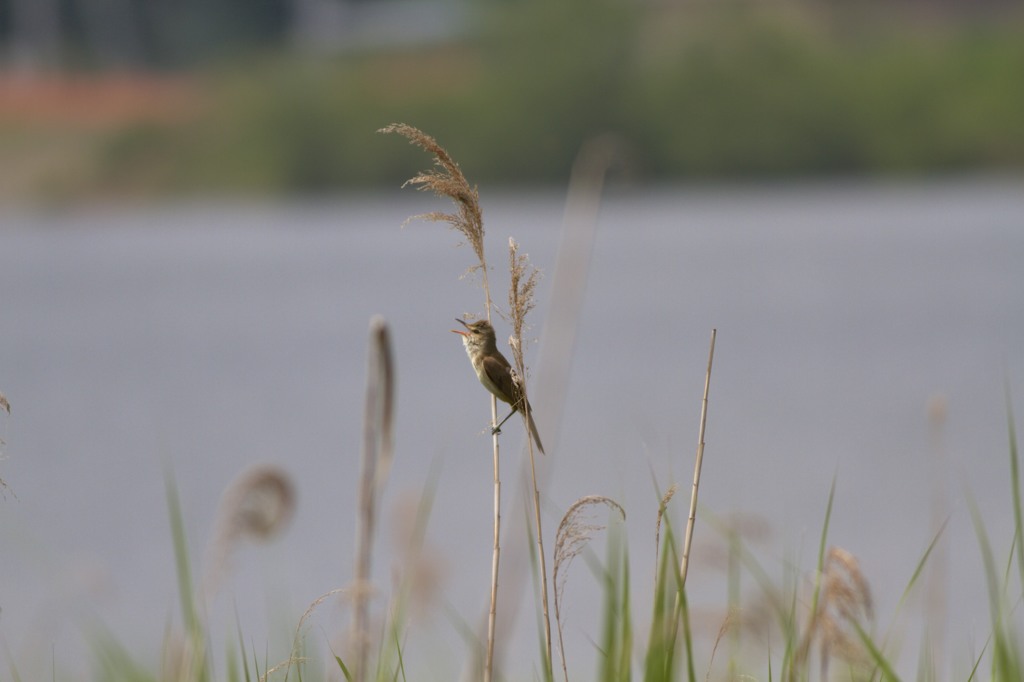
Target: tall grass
pixel 819 627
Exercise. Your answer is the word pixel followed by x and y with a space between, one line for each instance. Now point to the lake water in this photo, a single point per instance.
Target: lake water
pixel 210 336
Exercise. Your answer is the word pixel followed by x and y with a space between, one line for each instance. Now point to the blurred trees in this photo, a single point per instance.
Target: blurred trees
pixel 80 35
pixel 724 89
pixel 90 34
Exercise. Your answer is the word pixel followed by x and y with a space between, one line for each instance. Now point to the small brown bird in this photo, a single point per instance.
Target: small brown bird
pixel 494 371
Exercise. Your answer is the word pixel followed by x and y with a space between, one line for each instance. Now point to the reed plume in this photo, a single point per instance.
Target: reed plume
pixel 447 180
pixel 574 532
pixel 256 506
pixel 839 623
pixel 523 283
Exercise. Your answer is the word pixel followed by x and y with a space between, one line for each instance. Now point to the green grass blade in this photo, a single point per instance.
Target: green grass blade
pixel 626 629
pixel 1018 517
pixel 684 614
pixel 535 577
pixel 617 628
pixel 241 646
pixel 659 664
pixel 344 668
pixel 1006 662
pixel 921 564
pixel 199 658
pixel 883 664
pixel 400 671
pixel 822 544
pixel 181 562
pixel 114 661
pixel 977 663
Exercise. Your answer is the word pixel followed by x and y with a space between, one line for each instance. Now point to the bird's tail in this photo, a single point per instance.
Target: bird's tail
pixel 533 429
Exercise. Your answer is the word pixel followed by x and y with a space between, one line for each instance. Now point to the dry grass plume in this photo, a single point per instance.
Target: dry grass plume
pixel 844 613
pixel 574 532
pixel 447 180
pixel 257 506
pixel 662 508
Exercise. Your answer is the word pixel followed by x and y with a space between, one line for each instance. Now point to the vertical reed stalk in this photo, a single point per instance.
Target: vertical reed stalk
pixel 492 613
pixel 684 562
pixel 447 180
pixel 543 564
pixel 523 281
pixel 376 459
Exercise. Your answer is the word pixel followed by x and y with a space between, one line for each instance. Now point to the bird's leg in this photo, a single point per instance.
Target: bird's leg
pixel 497 429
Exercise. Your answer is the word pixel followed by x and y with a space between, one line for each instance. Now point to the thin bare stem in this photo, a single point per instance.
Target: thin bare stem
pixel 492 613
pixel 543 562
pixel 560 324
pixel 688 539
pixel 684 562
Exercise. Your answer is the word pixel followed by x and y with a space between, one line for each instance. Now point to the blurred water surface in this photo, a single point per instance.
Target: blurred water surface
pixel 206 337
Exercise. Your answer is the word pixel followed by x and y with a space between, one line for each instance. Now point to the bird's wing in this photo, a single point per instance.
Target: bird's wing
pixel 500 376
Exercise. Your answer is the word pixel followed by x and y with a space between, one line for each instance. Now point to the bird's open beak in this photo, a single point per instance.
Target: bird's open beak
pixel 459 331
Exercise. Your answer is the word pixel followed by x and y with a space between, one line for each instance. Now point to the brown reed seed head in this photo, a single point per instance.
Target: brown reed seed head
pixel 521 298
pixel 446 180
pixel 382 410
pixel 662 508
pixel 574 532
pixel 572 536
pixel 846 599
pixel 846 587
pixel 257 506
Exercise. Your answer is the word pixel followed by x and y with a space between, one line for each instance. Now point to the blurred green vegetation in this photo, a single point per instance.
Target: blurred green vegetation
pixel 712 91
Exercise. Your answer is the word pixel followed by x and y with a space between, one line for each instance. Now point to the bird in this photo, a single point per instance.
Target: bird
pixel 495 372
